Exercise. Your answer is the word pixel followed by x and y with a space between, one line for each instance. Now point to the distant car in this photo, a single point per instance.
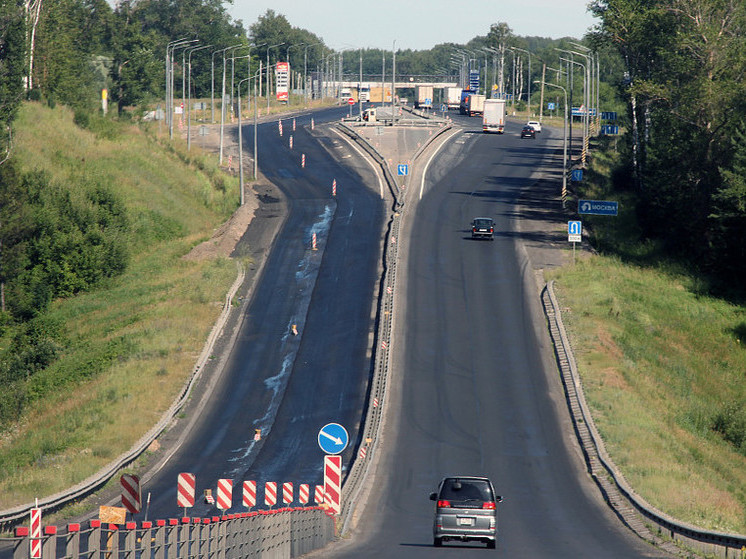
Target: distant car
pixel 534 124
pixel 528 132
pixel 465 510
pixel 482 228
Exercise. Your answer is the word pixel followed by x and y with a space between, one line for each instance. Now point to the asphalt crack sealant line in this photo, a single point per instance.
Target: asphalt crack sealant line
pixel 303 284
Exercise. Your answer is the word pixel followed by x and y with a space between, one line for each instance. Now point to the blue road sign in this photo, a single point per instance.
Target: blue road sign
pixel 574 227
pixel 608 115
pixel 474 80
pixel 402 169
pixel 428 101
pixel 577 175
pixel 443 108
pixel 550 106
pixel 598 207
pixel 609 129
pixel 333 438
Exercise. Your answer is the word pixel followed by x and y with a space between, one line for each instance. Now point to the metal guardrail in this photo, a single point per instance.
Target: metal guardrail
pixel 276 534
pixel 615 488
pixel 10 517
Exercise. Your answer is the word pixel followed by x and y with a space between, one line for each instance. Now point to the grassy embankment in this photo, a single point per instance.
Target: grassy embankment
pixel 663 363
pixel 138 335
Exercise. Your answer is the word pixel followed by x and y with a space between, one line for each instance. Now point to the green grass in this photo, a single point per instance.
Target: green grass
pixel 131 343
pixel 663 365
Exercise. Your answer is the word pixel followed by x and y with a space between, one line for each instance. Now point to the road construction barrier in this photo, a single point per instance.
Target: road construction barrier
pixel 277 534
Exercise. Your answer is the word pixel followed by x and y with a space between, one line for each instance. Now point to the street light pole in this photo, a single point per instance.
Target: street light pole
pixel 585 93
pixel 189 99
pixel 240 142
pixel 529 78
pixel 169 70
pixel 564 144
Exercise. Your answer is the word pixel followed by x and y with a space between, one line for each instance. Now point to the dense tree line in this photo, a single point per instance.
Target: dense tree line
pixel 685 62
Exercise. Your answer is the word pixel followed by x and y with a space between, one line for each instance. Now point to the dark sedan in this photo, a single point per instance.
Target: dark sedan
pixel 528 132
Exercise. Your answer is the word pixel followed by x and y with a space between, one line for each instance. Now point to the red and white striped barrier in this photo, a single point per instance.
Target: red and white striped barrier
pixel 334 187
pixel 363 452
pixel 130 493
pixel 290 141
pixel 303 161
pixel 249 494
pixel 185 486
pixel 270 493
pixel 318 495
pixel 333 482
pixel 225 493
pixel 313 241
pixel 35 533
pixel 287 492
pixel 303 494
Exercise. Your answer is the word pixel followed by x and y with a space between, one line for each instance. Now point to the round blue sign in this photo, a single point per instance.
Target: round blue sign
pixel 333 438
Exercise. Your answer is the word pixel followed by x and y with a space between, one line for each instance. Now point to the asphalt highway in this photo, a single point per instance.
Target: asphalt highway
pixel 475 390
pixel 287 385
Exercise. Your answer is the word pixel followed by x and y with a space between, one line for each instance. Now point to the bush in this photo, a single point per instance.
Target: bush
pixel 730 423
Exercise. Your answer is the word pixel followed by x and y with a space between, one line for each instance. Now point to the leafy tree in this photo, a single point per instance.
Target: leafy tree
pixel 12 57
pixel 136 71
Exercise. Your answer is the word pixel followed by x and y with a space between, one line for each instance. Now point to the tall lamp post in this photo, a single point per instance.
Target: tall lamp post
pixel 305 70
pixel 189 95
pixel 212 81
pixel 169 70
pixel 170 82
pixel 256 120
pixel 529 77
pixel 585 94
pixel 564 144
pixel 240 142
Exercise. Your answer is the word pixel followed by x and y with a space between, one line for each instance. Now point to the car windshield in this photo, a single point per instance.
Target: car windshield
pixel 455 489
pixel 482 223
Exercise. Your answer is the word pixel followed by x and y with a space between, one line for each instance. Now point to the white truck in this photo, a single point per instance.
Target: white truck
pixel 423 96
pixel 453 97
pixel 493 118
pixel 364 93
pixel 475 104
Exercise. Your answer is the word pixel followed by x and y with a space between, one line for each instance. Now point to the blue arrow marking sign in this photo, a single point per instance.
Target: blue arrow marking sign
pixel 403 169
pixel 574 227
pixel 333 438
pixel 598 207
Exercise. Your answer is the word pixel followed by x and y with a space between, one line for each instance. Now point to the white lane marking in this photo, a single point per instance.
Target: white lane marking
pixel 376 170
pixel 427 165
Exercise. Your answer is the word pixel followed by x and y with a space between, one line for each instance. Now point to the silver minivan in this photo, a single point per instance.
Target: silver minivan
pixel 465 510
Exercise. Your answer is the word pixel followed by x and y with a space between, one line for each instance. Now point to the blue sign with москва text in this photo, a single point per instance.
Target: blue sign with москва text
pixel 598 207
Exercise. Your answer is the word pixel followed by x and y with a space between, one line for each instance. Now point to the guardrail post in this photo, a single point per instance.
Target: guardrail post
pixel 94 538
pixel 21 547
pixel 160 539
pixel 72 540
pixel 205 546
pixel 49 546
pixel 222 536
pixel 129 539
pixel 112 541
pixel 146 539
pixel 172 538
pixel 183 545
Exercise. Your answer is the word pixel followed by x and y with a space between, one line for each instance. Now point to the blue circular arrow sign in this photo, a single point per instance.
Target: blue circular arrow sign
pixel 333 438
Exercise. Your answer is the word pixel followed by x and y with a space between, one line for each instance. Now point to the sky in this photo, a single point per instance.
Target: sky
pixel 416 24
